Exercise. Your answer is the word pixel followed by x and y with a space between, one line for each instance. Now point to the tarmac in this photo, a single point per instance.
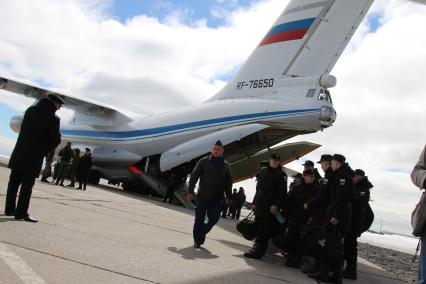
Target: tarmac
pixel 104 235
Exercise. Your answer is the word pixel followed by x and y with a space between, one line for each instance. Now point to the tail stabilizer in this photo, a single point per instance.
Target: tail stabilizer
pixel 305 41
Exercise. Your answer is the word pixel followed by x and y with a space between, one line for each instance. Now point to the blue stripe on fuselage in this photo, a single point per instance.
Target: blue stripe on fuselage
pixel 160 131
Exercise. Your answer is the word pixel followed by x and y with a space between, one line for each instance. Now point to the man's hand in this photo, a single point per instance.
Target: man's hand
pixel 305 206
pixel 334 221
pixel 189 197
pixel 274 210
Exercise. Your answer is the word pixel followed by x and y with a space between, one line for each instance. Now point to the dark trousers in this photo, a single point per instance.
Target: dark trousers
pixel 210 207
pixel 267 227
pixel 238 212
pixel 26 183
pixel 350 245
pixel 82 181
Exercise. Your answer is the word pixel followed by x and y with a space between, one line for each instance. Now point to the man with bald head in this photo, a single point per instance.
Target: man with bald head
pixel 215 182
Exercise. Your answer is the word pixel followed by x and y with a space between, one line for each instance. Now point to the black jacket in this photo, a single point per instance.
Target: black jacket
pixel 215 178
pixel 341 196
pixel 296 215
pixel 241 197
pixel 38 136
pixel 359 205
pixel 66 154
pixel 319 204
pixel 84 166
pixel 271 189
pixel 318 177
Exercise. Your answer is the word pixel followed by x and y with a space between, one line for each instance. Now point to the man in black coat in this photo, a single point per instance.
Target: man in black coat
pixel 84 168
pixel 241 200
pixel 38 136
pixel 66 154
pixel 309 165
pixel 338 215
pixel 215 178
pixel 297 216
pixel 271 192
pixel 358 216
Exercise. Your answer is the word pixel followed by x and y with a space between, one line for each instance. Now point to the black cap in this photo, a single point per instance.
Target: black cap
pixel 56 99
pixel 359 172
pixel 309 163
pixel 275 157
pixel 339 158
pixel 298 175
pixel 88 149
pixel 308 173
pixel 218 143
pixel 325 157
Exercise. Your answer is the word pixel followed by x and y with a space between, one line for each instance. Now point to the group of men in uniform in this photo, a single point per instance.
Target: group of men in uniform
pixel 70 165
pixel 335 203
pixel 313 204
pixel 234 204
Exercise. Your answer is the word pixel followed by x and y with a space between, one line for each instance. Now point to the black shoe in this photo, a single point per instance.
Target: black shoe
pixel 71 185
pixel 27 219
pixel 320 276
pixel 336 278
pixel 44 180
pixel 349 275
pixel 256 252
pixel 78 187
pixel 197 246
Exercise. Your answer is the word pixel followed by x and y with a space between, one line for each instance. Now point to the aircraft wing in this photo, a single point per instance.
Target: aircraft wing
pixel 247 168
pixel 87 112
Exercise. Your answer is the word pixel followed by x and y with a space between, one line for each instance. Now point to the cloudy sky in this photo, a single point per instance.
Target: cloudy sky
pixel 153 56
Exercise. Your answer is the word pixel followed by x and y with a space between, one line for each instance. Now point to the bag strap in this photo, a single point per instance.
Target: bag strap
pixel 250 214
pixel 417 252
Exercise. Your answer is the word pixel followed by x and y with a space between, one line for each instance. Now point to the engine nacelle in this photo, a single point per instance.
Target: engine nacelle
pixel 15 123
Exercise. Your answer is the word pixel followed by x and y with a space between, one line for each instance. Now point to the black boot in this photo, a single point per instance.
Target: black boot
pixel 320 276
pixel 349 275
pixel 256 252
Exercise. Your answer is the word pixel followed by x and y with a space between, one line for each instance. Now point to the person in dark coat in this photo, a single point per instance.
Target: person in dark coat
pixel 358 216
pixel 73 171
pixel 241 200
pixel 66 154
pixel 297 216
pixel 84 168
pixel 338 214
pixel 271 192
pixel 215 178
pixel 309 165
pixel 47 172
pixel 172 184
pixel 233 200
pixel 38 136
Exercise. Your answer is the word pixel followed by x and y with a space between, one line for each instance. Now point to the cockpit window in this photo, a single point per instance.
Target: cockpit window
pixel 324 95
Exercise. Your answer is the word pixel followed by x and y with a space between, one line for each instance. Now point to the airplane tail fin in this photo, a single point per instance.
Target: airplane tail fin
pixel 305 41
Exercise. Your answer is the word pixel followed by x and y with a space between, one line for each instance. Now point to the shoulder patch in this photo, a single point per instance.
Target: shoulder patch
pixel 324 181
pixel 342 181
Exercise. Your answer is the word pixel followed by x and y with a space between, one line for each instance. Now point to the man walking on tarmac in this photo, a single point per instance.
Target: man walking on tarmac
pixel 38 136
pixel 215 181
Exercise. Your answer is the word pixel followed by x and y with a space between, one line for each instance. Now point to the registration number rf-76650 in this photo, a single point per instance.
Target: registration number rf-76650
pixel 256 84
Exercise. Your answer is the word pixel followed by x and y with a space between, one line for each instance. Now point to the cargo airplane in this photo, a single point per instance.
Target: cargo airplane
pixel 280 92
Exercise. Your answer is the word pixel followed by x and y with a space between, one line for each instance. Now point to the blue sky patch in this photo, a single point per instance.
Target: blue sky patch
pixel 192 10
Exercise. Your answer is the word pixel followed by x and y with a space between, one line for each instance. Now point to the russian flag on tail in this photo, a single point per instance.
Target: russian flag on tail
pixel 288 31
